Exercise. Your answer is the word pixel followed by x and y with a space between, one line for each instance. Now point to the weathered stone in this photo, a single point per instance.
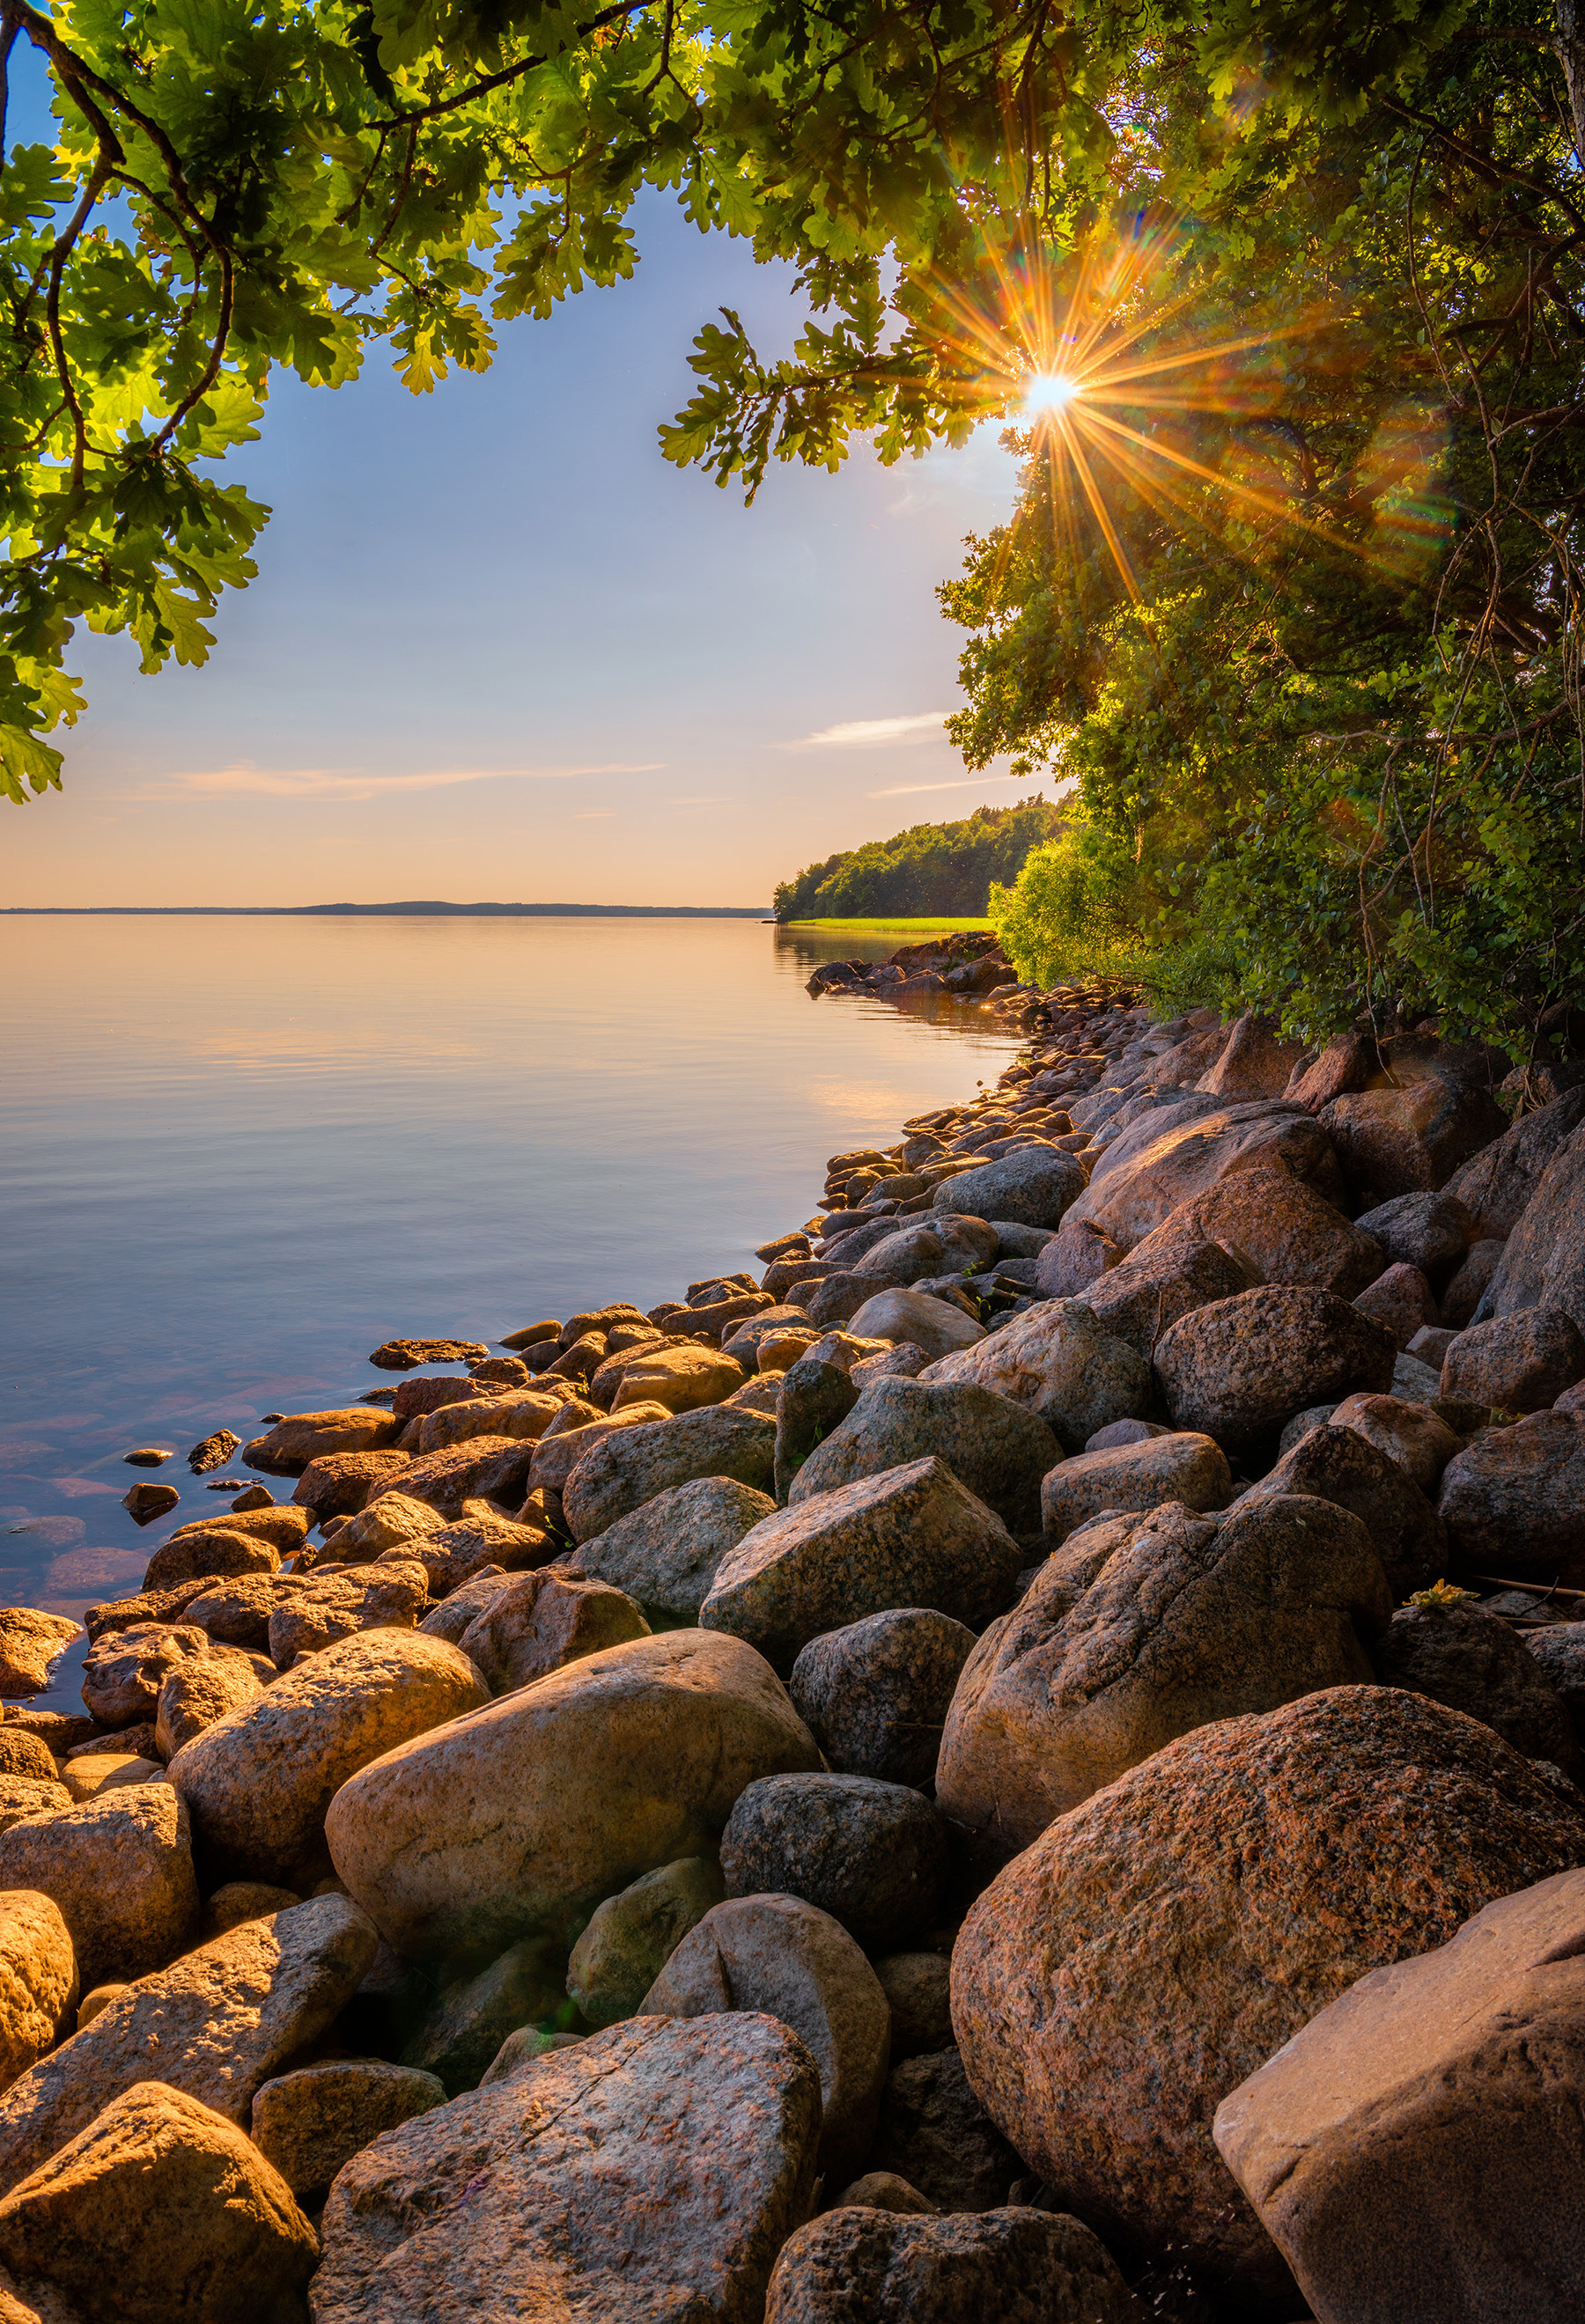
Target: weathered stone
pixel 1239 1370
pixel 1032 1187
pixel 1560 1651
pixel 220 2021
pixel 1407 2150
pixel 1471 1661
pixel 918 1987
pixel 488 1468
pixel 1042 2267
pixel 632 1937
pixel 341 1605
pixel 666 1553
pixel 1416 1438
pixel 517 1820
pixel 451 1617
pixel 108 1771
pixel 1289 1233
pixel 681 1378
pixel 1495 1186
pixel 543 1620
pixel 1409 1140
pixel 992 1445
pixel 145 1503
pixel 875 1693
pixel 912 1536
pixel 1348 1063
pixel 1173 1270
pixel 191 1557
pixel 160 2211
pixel 1521 1362
pixel 309 2124
pixel 1253 1870
pixel 1186 1621
pixel 38 1980
pixel 883 2191
pixel 781 1955
pixel 1168 1157
pixel 872 1855
pixel 242 1900
pixel 391 1522
pixel 1058 1362
pixel 479 1541
pixel 618 1474
pixel 1401 1301
pixel 935 2133
pixel 1163 1467
pixel 1462 1298
pixel 21 1796
pixel 936 1325
pixel 257 1784
pixel 1077 1256
pixel 125 1669
pixel 525 1415
pixel 468 2020
pixel 1334 1464
pixel 30 1643
pixel 813 1398
pixel 286 1449
pixel 1514 1499
pixel 120 1869
pixel 654 2171
pixel 339 1484
pixel 22 1755
pixel 1431 1232
pixel 235 1610
pixel 406 1355
pixel 195 1694
pixel 560 1449
pixel 525 2045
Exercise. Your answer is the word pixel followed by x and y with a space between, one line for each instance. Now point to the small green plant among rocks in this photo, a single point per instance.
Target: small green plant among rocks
pixel 1441 1594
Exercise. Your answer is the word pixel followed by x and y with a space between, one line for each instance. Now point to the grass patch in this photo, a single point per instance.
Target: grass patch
pixel 886 928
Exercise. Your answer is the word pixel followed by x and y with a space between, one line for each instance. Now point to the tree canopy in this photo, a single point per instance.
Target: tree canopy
pixel 929 868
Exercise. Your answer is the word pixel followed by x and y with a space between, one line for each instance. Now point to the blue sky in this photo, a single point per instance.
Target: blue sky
pixel 499 649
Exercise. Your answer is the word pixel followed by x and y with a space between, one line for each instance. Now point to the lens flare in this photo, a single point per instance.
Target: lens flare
pixel 1049 391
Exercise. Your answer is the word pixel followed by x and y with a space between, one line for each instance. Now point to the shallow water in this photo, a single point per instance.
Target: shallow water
pixel 240 1153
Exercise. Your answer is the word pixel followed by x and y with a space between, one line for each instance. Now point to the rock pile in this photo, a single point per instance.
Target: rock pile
pixel 1021 1759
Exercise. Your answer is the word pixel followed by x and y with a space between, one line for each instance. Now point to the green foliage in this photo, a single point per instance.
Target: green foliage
pixel 1066 914
pixel 931 868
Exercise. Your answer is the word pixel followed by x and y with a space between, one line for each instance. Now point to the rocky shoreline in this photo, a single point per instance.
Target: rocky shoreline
pixel 1023 1761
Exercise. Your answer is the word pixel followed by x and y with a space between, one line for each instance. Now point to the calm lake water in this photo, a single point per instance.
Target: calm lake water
pixel 240 1153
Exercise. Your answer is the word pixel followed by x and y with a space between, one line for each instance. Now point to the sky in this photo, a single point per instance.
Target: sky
pixel 499 649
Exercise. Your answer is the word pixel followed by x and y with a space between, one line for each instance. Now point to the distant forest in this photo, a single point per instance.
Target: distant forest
pixel 929 869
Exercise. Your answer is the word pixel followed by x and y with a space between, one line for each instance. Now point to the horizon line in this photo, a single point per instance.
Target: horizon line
pixel 432 907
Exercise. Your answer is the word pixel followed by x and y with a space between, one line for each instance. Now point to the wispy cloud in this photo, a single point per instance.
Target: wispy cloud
pixel 966 783
pixel 872 733
pixel 339 786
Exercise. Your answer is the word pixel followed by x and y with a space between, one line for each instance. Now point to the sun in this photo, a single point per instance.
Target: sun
pixel 1049 391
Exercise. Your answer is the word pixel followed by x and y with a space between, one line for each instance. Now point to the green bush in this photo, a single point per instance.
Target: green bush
pixel 929 869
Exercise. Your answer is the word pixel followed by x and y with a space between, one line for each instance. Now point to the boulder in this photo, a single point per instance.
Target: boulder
pixel 651 2172
pixel 934 2133
pixel 1141 1475
pixel 912 1536
pixel 1239 1370
pixel 1495 1186
pixel 285 1528
pixel 195 1694
pixel 108 1771
pixel 1333 1463
pixel 21 1796
pixel 1431 1232
pixel 543 1620
pixel 235 1610
pixel 258 1782
pixel 681 1378
pixel 631 1936
pixel 465 2026
pixel 1461 1300
pixel 997 1448
pixel 1076 1257
pixel 486 1468
pixel 235 1900
pixel 666 1554
pixel 619 1473
pixel 1348 1063
pixel 1401 1301
pixel 1173 1270
pixel 1560 1651
pixel 38 1980
pixel 512 1413
pixel 123 1670
pixel 1411 1140
pixel 160 2211
pixel 1290 1233
pixel 119 1868
pixel 220 2021
pixel 481 1538
pixel 25 1757
pixel 1253 1870
pixel 937 1246
pixel 1186 1620
pixel 1418 1439
pixel 393 1522
pixel 30 1643
pixel 1057 1361
pixel 862 2261
pixel 520 1818
pixel 310 2122
pixel 1520 1362
pixel 936 1325
pixel 1031 1188
pixel 341 1483
pixel 286 1449
pixel 1169 1157
pixel 872 1855
pixel 918 1987
pixel 217 1550
pixel 813 1398
pixel 1257 1061
pixel 782 1956
pixel 1407 2150
pixel 875 1694
pixel 883 2191
pixel 1514 1499
pixel 1471 1661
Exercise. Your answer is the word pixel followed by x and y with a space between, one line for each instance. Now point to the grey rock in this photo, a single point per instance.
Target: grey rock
pixel 544 1620
pixel 934 2133
pixel 919 1987
pixel 621 1472
pixel 872 1855
pixel 1520 1362
pixel 452 1616
pixel 992 1445
pixel 633 1935
pixel 1040 2267
pixel 1495 1186
pixel 1514 1499
pixel 1431 1232
pixel 310 2122
pixel 1173 1270
pixel 1124 1432
pixel 812 1398
pixel 1560 1651
pixel 912 1536
pixel 875 1694
pixel 936 1325
pixel 1076 1257
pixel 1316 1416
pixel 1184 1467
pixel 1031 1188
pixel 1543 1264
pixel 1336 1463
pixel 1418 1439
pixel 1471 1661
pixel 666 1553
pixel 1239 1370
pixel 1057 1362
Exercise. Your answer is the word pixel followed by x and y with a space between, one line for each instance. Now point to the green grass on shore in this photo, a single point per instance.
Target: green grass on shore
pixel 884 927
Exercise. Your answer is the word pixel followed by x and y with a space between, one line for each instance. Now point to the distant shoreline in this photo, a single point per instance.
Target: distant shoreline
pixel 376 911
